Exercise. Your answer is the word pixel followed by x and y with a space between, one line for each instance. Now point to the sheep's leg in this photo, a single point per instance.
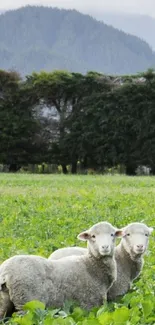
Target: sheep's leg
pixel 6 305
pixel 19 300
pixel 19 310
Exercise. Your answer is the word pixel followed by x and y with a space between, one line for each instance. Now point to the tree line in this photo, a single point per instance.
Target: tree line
pixel 65 119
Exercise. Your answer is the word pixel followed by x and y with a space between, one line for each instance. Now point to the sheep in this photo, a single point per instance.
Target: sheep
pixel 128 254
pixel 67 251
pixel 83 279
pixel 129 257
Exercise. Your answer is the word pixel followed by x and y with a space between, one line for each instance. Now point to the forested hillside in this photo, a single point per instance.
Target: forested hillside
pixel 138 25
pixel 39 38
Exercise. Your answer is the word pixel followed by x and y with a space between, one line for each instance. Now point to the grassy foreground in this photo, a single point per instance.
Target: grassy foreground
pixel 40 213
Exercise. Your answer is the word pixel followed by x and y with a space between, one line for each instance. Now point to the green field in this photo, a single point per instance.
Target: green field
pixel 40 213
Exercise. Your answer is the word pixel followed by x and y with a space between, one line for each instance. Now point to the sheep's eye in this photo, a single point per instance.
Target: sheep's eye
pixel 146 235
pixel 112 235
pixel 93 236
pixel 128 234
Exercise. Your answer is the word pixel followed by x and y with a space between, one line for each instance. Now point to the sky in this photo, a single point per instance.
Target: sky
pixel 88 6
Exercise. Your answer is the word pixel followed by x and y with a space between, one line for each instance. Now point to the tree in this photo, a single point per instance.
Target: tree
pixel 17 124
pixel 62 92
pixel 133 106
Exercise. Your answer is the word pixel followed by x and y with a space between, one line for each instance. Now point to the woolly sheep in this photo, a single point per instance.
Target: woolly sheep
pixel 129 257
pixel 128 254
pixel 84 279
pixel 67 251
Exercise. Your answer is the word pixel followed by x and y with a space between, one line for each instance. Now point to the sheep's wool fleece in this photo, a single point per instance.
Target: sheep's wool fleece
pixel 83 279
pixel 127 271
pixel 67 251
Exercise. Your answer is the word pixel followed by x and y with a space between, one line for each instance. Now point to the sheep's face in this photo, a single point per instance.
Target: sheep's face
pixel 136 238
pixel 101 239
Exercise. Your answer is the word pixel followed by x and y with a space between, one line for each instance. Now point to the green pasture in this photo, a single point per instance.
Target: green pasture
pixel 40 213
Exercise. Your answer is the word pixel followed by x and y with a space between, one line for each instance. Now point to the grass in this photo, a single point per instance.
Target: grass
pixel 40 213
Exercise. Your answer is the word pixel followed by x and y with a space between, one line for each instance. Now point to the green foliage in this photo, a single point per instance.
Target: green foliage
pixel 17 124
pixel 39 214
pixel 64 118
pixel 76 42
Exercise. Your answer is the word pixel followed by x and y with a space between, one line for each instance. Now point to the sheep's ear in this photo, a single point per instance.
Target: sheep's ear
pixel 84 236
pixel 120 232
pixel 151 229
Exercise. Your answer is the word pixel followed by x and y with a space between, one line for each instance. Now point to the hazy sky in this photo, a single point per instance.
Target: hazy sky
pixel 134 6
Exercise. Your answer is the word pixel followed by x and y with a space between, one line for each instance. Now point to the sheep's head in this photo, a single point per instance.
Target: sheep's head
pixel 101 239
pixel 136 238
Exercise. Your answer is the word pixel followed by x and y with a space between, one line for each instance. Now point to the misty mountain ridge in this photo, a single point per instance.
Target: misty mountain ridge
pixel 139 25
pixel 43 38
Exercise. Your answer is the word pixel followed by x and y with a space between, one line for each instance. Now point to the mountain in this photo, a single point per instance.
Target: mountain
pixel 138 25
pixel 40 38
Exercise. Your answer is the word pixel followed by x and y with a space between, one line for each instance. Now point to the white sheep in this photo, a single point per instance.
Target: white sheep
pixel 67 251
pixel 84 279
pixel 129 257
pixel 128 254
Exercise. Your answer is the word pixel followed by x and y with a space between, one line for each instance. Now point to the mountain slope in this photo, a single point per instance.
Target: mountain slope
pixel 37 38
pixel 138 25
